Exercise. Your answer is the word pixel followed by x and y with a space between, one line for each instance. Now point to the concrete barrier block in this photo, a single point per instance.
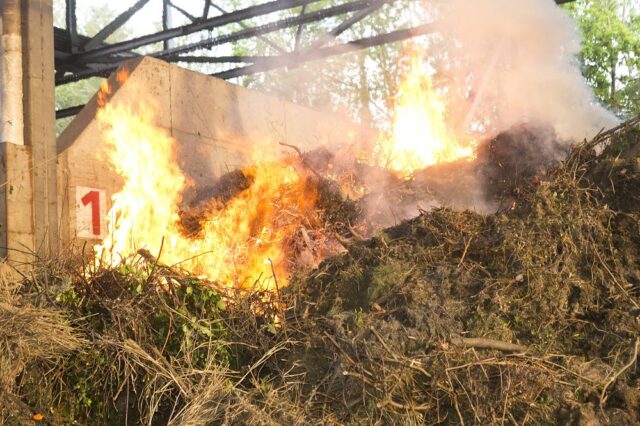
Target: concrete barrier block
pixel 212 108
pixel 218 127
pixel 204 160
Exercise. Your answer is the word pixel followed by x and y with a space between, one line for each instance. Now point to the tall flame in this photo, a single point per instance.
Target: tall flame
pixel 246 242
pixel 420 136
pixel 243 244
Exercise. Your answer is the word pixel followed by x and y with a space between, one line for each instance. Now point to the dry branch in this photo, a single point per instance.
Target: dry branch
pixel 482 343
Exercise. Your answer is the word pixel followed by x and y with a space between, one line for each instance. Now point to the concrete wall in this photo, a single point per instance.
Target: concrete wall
pixel 216 126
pixel 28 211
pixel 16 204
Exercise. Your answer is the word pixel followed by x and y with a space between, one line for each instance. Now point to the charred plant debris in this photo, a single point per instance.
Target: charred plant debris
pixel 530 315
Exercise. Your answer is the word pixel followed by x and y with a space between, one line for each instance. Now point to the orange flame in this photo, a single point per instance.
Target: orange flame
pixel 106 90
pixel 420 136
pixel 244 244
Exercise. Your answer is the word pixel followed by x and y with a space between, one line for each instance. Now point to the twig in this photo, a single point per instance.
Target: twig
pixel 454 394
pixel 408 363
pixel 275 279
pixel 46 286
pixel 410 407
pixel 304 160
pixel 155 263
pixel 356 234
pixel 346 242
pixel 624 368
pixel 482 343
pixel 346 355
pixel 613 278
pixel 464 253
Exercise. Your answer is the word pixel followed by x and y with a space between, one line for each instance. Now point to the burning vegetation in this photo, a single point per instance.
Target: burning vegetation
pixel 256 226
pixel 432 277
pixel 237 241
pixel 420 136
pixel 528 315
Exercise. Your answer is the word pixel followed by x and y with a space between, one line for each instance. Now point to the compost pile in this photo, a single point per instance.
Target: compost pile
pixel 530 315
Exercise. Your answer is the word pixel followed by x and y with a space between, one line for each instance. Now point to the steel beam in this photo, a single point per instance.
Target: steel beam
pixel 71 23
pixel 345 25
pixel 165 22
pixel 269 28
pixel 296 43
pixel 294 60
pixel 223 59
pixel 68 112
pixel 183 12
pixel 86 64
pixel 106 70
pixel 262 38
pixel 207 24
pixel 114 25
pixel 268 63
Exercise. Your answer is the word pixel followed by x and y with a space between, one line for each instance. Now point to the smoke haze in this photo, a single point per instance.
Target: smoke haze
pixel 519 57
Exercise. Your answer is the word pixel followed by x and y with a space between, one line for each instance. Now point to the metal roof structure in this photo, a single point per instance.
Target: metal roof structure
pixel 79 56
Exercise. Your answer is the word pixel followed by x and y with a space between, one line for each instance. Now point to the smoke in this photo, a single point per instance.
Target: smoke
pixel 518 57
pixel 509 72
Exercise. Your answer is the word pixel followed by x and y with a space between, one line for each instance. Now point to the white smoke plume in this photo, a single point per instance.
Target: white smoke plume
pixel 519 59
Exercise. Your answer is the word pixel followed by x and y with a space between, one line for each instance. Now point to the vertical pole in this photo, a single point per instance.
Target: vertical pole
pixel 166 11
pixel 28 192
pixel 205 12
pixel 16 220
pixel 39 119
pixel 12 119
pixel 71 22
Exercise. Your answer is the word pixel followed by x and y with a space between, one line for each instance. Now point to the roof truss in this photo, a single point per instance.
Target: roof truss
pixel 79 57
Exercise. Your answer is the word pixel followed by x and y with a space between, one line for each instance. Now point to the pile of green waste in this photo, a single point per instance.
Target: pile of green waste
pixel 530 315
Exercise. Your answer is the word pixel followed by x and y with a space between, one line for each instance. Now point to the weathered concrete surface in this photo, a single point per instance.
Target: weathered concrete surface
pixel 28 210
pixel 40 121
pixel 16 202
pixel 217 126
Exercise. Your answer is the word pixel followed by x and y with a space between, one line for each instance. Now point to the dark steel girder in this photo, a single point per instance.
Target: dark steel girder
pixel 113 26
pixel 85 57
pixel 243 25
pixel 106 70
pixel 71 58
pixel 295 59
pixel 207 24
pixel 272 27
pixel 71 23
pixel 267 63
pixel 346 24
pixel 182 11
pixel 364 8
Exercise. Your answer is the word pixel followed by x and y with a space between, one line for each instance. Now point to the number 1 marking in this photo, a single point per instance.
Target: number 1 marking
pixel 93 197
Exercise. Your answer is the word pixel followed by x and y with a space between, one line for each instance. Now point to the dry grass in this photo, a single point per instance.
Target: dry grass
pixel 29 335
pixel 528 316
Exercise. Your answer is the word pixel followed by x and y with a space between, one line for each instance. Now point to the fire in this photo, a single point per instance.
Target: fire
pixel 420 136
pixel 246 242
pixel 243 244
pixel 106 90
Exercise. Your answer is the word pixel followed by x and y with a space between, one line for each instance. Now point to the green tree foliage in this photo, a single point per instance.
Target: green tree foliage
pixel 611 51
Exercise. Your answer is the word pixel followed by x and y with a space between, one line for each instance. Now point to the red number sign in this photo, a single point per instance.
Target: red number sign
pixel 91 212
pixel 93 198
